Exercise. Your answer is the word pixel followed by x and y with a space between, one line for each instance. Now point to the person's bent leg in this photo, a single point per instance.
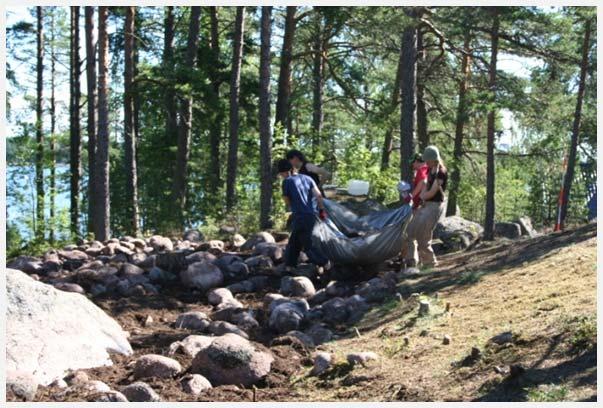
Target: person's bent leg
pixel 294 246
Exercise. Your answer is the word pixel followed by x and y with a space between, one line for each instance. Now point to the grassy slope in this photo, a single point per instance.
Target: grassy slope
pixel 541 289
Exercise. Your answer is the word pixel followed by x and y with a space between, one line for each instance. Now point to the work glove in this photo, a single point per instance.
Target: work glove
pixel 322 214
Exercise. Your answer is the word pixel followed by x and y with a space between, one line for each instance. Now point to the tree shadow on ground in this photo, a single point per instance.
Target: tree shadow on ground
pixel 580 370
pixel 494 259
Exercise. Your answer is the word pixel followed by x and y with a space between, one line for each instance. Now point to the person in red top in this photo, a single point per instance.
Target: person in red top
pixel 421 169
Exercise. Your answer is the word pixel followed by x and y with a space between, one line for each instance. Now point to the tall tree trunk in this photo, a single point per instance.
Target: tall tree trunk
pixel 171 120
pixel 51 236
pixel 102 205
pixel 235 79
pixel 284 76
pixel 129 127
pixel 216 124
pixel 265 134
pixel 461 118
pixel 91 123
pixel 408 55
pixel 186 113
pixel 490 169
pixel 40 128
pixel 75 138
pixel 387 141
pixel 318 82
pixel 422 123
pixel 571 162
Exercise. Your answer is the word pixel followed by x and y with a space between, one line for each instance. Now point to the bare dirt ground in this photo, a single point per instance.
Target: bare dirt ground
pixel 542 290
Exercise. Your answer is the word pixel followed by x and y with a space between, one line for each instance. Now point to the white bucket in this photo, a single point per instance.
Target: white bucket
pixel 358 187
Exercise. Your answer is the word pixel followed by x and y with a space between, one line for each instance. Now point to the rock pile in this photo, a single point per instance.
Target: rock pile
pixel 225 344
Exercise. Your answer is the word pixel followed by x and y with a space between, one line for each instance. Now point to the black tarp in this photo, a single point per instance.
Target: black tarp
pixel 347 238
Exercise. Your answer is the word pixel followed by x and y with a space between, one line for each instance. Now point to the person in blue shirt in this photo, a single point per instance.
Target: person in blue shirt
pixel 298 191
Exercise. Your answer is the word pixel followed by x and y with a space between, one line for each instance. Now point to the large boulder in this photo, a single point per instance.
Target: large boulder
pixel 457 233
pixel 202 275
pixel 376 290
pixel 49 332
pixel 525 223
pixel 508 230
pixel 231 359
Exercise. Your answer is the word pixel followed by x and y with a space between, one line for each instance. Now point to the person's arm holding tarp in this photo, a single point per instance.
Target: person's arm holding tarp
pixel 322 213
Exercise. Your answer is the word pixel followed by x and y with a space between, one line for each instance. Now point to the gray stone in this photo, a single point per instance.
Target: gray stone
pixel 231 359
pixel 446 339
pixel 192 321
pixel 274 251
pixel 202 275
pixel 319 334
pixel 22 384
pixel 361 357
pixel 260 282
pixel 244 286
pixel 190 345
pixel 375 290
pixel 49 331
pixel 502 338
pixel 201 256
pixel 219 328
pixel 319 297
pixel 286 317
pixel 218 295
pixel 69 287
pixel 128 270
pixel 27 264
pixel 260 263
pixel 508 230
pixel 337 289
pixel 322 362
pixel 457 233
pixel 159 275
pixel 111 396
pixel 231 303
pixel 238 240
pixel 161 244
pixel 256 239
pixel 525 223
pixel 269 298
pixel 302 304
pixel 299 286
pixel 236 271
pixel 334 310
pixel 194 384
pixel 303 337
pixel 155 365
pixel 140 392
pixel 73 255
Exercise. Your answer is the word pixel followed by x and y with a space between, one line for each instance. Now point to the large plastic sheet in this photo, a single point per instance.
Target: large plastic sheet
pixel 347 238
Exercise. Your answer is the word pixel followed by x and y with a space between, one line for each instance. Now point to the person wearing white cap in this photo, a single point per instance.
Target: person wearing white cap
pixel 427 215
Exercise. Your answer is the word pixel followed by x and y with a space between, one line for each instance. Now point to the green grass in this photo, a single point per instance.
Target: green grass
pixel 471 277
pixel 583 331
pixel 547 393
